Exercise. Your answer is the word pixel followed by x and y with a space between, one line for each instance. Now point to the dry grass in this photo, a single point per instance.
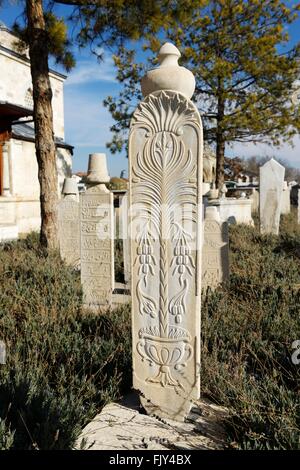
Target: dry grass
pixel 248 328
pixel 63 365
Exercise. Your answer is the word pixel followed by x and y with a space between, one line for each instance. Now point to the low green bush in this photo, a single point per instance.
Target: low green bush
pixel 248 327
pixel 63 364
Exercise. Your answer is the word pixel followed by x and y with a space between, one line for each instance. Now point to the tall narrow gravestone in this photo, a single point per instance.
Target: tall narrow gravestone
pixel 271 177
pixel 68 224
pixel 165 151
pixel 215 250
pixel 97 240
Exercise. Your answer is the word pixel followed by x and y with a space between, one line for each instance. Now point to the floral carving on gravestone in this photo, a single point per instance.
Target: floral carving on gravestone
pixel 165 144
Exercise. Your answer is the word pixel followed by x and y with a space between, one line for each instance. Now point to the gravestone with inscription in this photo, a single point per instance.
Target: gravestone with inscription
pixel 97 238
pixel 271 177
pixel 215 250
pixel 165 155
pixel 68 224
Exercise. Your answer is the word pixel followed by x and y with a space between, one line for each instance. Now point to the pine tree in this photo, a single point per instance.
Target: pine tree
pixel 244 72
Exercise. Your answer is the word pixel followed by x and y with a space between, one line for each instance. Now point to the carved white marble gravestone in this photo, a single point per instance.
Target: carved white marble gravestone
pixel 69 224
pixel 165 152
pixel 97 236
pixel 215 250
pixel 271 177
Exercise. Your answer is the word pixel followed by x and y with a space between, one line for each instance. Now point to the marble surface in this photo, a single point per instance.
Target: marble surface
pixel 122 426
pixel 271 178
pixel 165 158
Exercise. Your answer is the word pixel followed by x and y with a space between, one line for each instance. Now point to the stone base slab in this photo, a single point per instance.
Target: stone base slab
pixel 121 295
pixel 234 211
pixel 122 426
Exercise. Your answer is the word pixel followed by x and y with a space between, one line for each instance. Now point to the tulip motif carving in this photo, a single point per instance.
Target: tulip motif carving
pixel 165 147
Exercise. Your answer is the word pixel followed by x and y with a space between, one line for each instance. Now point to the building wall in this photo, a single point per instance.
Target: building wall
pixel 16 84
pixel 22 206
pixel 24 168
pixel 20 209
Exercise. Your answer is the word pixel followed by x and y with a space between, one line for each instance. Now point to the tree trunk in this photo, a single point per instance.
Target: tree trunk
pixel 220 152
pixel 43 119
pixel 220 144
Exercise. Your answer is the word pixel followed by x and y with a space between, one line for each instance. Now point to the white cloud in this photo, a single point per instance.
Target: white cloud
pixel 88 71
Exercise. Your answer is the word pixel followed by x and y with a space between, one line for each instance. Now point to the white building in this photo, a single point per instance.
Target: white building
pixel 19 185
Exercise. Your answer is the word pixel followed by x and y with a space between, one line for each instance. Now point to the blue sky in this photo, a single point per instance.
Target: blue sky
pixel 87 122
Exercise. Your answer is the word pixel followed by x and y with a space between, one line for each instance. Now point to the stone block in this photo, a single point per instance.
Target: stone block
pixel 233 211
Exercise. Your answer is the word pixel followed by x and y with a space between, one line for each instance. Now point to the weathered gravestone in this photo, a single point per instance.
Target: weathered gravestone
pixel 286 199
pixel 215 250
pixel 69 224
pixel 165 152
pixel 97 240
pixel 271 177
pixel 254 201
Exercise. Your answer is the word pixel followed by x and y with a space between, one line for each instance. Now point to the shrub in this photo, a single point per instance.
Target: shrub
pixel 248 327
pixel 63 364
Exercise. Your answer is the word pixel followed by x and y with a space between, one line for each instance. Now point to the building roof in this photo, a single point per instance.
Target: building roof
pixel 23 131
pixel 13 112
